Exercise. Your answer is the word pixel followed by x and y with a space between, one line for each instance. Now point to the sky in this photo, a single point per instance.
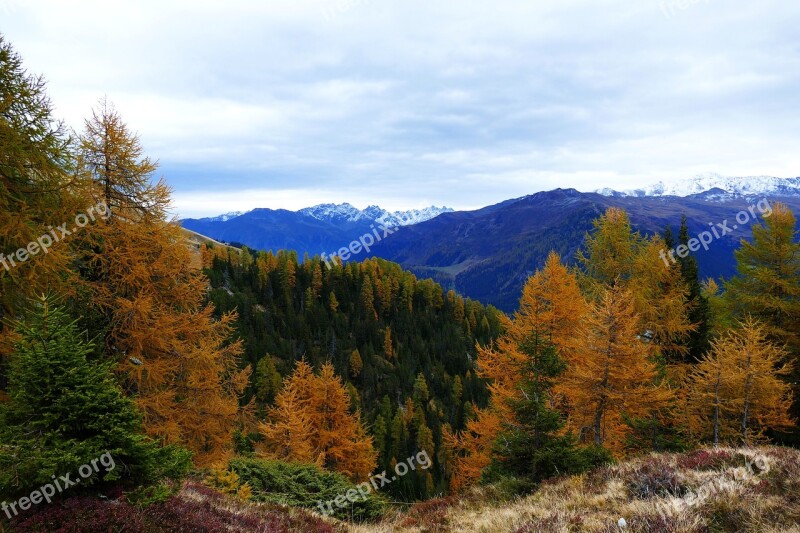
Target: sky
pixel 411 103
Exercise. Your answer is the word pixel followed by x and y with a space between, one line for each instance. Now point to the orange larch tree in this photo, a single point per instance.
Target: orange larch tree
pixel 36 195
pixel 470 450
pixel 736 390
pixel 146 299
pixel 312 421
pixel 612 375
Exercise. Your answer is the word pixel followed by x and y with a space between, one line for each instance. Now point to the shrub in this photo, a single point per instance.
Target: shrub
pixel 203 511
pixel 228 482
pixel 656 478
pixel 430 516
pixel 303 485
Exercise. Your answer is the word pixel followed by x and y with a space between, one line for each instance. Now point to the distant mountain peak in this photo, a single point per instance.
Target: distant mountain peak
pixel 345 212
pixel 715 187
pixel 373 213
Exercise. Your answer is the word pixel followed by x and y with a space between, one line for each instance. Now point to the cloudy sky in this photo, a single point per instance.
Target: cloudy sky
pixel 408 103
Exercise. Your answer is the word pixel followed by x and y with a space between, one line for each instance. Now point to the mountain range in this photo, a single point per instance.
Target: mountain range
pixel 488 254
pixel 323 228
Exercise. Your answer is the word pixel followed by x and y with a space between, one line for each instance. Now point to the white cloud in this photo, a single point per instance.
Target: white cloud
pixel 456 102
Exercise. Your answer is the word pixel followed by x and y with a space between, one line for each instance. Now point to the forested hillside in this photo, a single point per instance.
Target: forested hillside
pixel 405 347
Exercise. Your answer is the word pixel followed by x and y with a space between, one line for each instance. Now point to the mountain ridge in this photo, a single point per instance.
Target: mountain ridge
pixel 487 254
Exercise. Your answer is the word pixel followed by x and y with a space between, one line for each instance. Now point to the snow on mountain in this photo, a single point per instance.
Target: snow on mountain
pixel 347 213
pixel 714 187
pixel 226 217
pixel 343 213
pixel 334 213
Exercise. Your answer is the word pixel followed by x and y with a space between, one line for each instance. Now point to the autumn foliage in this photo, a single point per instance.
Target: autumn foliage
pixel 621 324
pixel 311 422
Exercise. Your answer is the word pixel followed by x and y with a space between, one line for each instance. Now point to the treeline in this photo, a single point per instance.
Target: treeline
pixel 404 348
pixel 629 353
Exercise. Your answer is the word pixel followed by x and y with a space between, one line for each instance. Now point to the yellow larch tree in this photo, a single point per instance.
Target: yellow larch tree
pixel 661 299
pixel 36 196
pixel 312 421
pixel 612 375
pixel 736 390
pixel 288 433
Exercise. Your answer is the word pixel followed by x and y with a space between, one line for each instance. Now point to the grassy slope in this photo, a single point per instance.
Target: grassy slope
pixel 706 490
pixel 755 489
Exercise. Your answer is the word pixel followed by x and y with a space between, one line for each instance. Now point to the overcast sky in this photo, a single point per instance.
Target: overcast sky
pixel 408 103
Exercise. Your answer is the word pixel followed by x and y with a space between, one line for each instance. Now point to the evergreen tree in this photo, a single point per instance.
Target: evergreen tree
pixel 532 446
pixel 267 380
pixel 66 410
pixel 699 340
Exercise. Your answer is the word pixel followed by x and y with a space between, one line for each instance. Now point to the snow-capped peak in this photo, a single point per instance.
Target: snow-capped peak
pixel 347 213
pixel 722 187
pixel 334 212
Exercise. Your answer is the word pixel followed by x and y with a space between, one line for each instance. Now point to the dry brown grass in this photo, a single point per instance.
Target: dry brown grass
pixel 711 490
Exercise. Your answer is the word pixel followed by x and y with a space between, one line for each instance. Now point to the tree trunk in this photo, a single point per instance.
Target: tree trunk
pixel 746 408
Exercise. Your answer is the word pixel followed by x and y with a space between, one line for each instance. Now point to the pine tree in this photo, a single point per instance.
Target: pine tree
pixel 700 312
pixel 66 410
pixel 267 380
pixel 551 309
pixel 532 447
